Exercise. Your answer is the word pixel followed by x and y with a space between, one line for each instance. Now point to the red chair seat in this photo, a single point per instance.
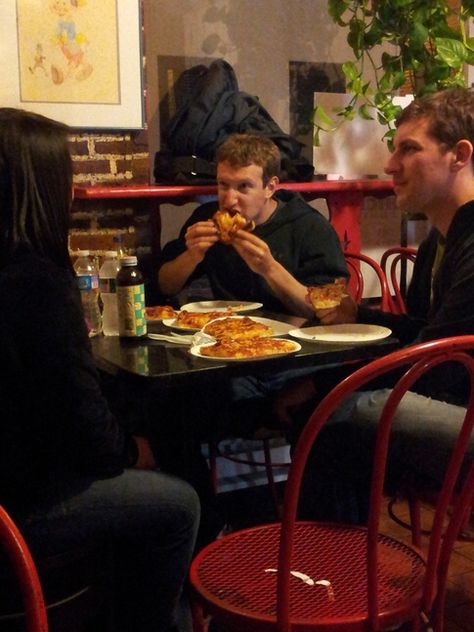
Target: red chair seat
pixel 239 589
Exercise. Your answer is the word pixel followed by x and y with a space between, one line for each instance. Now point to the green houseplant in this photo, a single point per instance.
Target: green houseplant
pixel 429 48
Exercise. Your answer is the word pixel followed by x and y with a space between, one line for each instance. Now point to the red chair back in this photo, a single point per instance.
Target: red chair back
pixel 418 359
pixel 356 282
pixel 394 264
pixel 24 570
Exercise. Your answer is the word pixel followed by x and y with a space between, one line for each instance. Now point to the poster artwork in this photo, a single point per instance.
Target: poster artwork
pixel 68 51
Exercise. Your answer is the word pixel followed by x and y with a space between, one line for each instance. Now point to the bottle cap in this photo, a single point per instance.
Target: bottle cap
pixel 83 253
pixel 128 261
pixel 110 253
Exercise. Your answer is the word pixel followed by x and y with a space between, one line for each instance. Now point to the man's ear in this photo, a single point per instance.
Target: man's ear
pixel 462 154
pixel 272 185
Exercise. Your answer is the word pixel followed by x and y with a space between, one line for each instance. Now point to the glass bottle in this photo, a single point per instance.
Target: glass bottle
pixel 131 299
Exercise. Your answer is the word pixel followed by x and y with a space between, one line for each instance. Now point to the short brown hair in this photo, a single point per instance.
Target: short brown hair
pixel 242 150
pixel 450 114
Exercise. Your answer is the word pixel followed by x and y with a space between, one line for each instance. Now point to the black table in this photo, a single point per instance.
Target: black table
pixel 167 365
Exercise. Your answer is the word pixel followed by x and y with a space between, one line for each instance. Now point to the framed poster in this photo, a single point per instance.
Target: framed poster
pixel 76 61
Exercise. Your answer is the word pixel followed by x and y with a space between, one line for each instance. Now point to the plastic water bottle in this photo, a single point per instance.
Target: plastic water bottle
pixel 108 293
pixel 88 282
pixel 119 247
pixel 131 299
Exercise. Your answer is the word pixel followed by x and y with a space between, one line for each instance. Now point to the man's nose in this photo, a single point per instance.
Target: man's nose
pixel 230 199
pixel 390 165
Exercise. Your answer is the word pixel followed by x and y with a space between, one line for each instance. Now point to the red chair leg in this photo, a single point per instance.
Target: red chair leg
pixel 25 570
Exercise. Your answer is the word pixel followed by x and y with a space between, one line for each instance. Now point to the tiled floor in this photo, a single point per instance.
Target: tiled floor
pixel 256 507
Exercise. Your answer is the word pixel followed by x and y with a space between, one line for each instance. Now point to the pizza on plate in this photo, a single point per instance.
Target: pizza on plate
pixel 229 222
pixel 197 320
pixel 328 295
pixel 237 328
pixel 159 312
pixel 254 348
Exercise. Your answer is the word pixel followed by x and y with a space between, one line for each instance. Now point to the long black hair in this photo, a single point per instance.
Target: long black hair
pixel 35 186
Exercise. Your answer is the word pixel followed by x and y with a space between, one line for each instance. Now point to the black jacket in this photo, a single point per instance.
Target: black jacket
pixel 210 108
pixel 54 419
pixel 299 237
pixel 451 310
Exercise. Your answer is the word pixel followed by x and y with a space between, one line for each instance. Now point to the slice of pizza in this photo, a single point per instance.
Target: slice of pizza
pixel 197 320
pixel 253 348
pixel 229 222
pixel 328 295
pixel 237 328
pixel 159 312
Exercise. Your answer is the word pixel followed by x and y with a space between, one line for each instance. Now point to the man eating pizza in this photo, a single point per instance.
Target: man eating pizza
pixel 292 246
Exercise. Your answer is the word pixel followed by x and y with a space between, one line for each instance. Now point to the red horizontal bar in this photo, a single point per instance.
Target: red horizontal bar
pixel 320 188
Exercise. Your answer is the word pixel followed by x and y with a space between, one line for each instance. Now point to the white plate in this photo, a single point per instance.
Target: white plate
pixel 346 334
pixel 196 351
pixel 279 328
pixel 220 306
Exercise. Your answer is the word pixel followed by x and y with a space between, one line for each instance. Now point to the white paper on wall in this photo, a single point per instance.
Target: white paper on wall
pixel 355 149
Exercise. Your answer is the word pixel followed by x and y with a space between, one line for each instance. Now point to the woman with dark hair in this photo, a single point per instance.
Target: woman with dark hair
pixel 69 473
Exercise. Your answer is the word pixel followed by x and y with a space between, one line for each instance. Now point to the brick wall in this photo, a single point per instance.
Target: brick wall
pixel 110 158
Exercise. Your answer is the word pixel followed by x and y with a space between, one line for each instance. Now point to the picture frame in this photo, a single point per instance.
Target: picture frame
pixel 76 61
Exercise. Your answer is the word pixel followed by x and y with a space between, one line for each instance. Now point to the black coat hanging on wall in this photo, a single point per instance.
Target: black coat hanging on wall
pixel 210 108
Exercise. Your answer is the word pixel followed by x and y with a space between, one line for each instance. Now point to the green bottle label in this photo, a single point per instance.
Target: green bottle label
pixel 131 310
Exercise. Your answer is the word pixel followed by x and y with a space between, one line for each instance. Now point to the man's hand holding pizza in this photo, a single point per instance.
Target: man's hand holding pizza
pixel 332 304
pixel 199 238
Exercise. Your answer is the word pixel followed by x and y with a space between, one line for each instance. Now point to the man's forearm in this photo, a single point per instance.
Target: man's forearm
pixel 173 274
pixel 291 292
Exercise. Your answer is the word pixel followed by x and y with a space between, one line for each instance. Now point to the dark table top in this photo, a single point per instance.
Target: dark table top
pixel 167 365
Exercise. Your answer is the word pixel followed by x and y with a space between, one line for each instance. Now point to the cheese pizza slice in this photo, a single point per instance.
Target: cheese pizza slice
pixel 245 348
pixel 159 312
pixel 197 320
pixel 328 295
pixel 237 328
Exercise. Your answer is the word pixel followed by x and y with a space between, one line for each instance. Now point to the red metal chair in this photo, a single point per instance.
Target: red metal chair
pixel 304 576
pixel 357 284
pixel 394 263
pixel 25 571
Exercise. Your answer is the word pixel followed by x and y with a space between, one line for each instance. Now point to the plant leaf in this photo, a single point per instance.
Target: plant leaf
pixel 451 51
pixel 322 117
pixel 364 112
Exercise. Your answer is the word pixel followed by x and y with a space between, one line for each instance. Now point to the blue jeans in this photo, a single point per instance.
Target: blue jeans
pixel 149 518
pixel 337 479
